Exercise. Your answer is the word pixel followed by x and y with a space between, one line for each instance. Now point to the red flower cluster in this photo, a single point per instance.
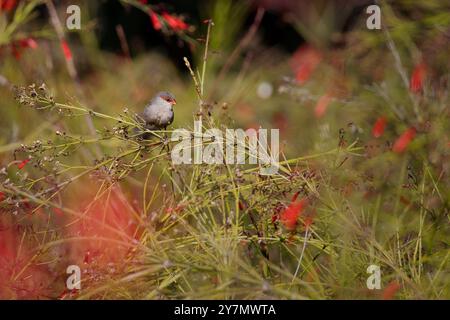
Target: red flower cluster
pixel 379 126
pixel 291 214
pixel 19 45
pixel 7 5
pixel 66 50
pixel 109 228
pixel 21 276
pixel 417 78
pixel 172 21
pixel 304 61
pixel 23 164
pixel 155 20
pixel 404 140
pixel 322 105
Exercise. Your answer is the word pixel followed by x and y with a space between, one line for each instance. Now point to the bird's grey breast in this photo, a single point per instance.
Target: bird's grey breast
pixel 159 113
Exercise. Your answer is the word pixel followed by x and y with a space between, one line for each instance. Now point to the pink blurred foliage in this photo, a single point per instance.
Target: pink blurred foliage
pixel 20 275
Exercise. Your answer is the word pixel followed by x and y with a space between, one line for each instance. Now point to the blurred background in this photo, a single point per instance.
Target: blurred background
pixel 309 68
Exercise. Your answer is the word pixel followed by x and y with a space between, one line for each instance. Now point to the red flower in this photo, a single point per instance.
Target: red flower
pixel 107 224
pixel 174 22
pixel 7 5
pixel 291 214
pixel 404 140
pixel 2 196
pixel 390 291
pixel 322 104
pixel 304 61
pixel 378 127
pixel 21 277
pixel 418 77
pixel 28 43
pixel 23 163
pixel 16 46
pixel 66 50
pixel 155 20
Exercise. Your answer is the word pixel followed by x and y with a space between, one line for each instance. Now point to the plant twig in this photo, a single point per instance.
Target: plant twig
pixel 301 256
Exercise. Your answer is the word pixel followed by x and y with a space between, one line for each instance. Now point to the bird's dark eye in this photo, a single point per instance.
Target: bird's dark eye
pixel 169 99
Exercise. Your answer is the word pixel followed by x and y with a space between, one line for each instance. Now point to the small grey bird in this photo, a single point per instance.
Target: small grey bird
pixel 158 114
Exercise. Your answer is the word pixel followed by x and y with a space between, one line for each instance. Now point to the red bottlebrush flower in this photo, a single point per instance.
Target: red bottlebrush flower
pixel 108 226
pixel 174 22
pixel 7 5
pixel 390 291
pixel 28 43
pixel 417 78
pixel 23 164
pixel 379 126
pixel 291 214
pixel 20 275
pixel 403 141
pixel 66 50
pixel 16 47
pixel 322 104
pixel 155 20
pixel 304 61
pixel 2 196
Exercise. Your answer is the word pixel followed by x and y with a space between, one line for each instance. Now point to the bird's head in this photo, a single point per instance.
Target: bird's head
pixel 166 96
